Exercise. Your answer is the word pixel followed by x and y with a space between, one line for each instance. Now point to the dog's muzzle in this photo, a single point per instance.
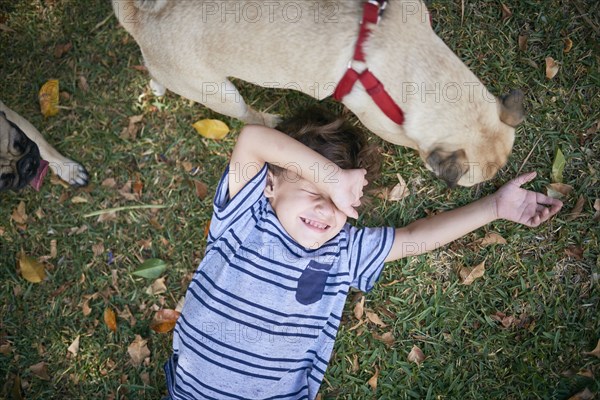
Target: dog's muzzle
pixel 19 157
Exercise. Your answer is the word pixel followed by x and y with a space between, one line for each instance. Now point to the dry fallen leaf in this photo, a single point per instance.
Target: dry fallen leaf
pixel 40 370
pixel 523 42
pixel 597 208
pixel 138 186
pixel 374 318
pixel 110 319
pixel 595 352
pixel 158 287
pixel 568 45
pixel 48 97
pixel 138 351
pixel 355 364
pixel 201 189
pixel 399 191
pixel 575 252
pixel 491 238
pixel 19 215
pixel 506 13
pixel 359 308
pixel 373 381
pixel 74 347
pixel 164 321
pixel 551 68
pixel 387 338
pixel 585 394
pixel 577 209
pixel 416 355
pixel 211 128
pixel 132 128
pixel 468 275
pixel 61 49
pixel 558 190
pixel 31 270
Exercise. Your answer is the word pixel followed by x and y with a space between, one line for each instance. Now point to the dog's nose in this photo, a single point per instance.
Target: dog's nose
pixel 6 181
pixel 29 166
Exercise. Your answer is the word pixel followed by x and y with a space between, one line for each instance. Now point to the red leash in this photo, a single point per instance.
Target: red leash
pixel 371 14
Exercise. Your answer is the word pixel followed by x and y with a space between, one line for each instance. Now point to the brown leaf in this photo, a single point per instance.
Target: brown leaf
pixel 74 347
pixel 109 183
pixel 551 68
pixel 585 394
pixel 107 217
pixel 19 215
pixel 374 318
pixel 575 252
pixel 506 13
pixel 126 192
pixel 373 381
pixel 40 370
pixel 138 185
pixel 597 208
pixel 595 352
pixel 577 209
pixel 568 45
pixel 61 49
pixel 201 189
pixel 132 128
pixel 98 249
pixel 83 83
pixel 506 320
pixel 399 191
pixel 523 42
pixel 110 319
pixel 157 287
pixel 387 338
pixel 138 351
pixel 558 190
pixel 5 28
pixel 359 308
pixel 468 275
pixel 355 364
pixel 491 238
pixel 416 355
pixel 164 321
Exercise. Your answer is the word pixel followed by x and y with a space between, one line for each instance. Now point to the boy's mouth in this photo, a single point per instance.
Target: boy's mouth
pixel 314 224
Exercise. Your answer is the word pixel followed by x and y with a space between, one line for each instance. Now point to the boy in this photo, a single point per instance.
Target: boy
pixel 262 312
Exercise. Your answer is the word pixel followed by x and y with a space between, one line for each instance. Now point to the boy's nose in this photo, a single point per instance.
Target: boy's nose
pixel 325 208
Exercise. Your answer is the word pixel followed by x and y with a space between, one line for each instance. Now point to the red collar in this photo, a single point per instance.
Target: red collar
pixel 371 14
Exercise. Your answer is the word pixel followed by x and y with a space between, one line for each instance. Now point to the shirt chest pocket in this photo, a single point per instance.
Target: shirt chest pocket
pixel 311 283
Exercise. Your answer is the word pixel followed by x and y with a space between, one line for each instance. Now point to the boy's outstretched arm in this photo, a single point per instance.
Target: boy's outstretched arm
pixel 510 202
pixel 257 145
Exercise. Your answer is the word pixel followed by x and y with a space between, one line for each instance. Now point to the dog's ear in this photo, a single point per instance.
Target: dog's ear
pixel 511 108
pixel 448 165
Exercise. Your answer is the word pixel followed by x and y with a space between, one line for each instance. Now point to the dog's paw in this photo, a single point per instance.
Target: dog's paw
pixel 157 89
pixel 71 172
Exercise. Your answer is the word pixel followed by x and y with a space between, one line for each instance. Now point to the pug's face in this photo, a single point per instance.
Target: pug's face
pixel 19 156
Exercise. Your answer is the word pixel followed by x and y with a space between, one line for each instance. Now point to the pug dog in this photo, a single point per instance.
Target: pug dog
pixel 25 155
pixel 461 131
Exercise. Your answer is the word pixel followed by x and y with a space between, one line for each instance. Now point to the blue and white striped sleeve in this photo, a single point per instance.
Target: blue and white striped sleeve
pixel 368 249
pixel 227 211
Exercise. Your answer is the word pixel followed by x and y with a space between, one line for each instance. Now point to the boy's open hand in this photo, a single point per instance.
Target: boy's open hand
pixel 347 189
pixel 524 206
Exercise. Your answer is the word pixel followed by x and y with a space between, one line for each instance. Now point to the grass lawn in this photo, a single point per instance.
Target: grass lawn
pixel 519 332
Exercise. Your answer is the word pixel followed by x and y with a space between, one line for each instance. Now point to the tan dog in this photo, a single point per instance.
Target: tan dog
pixel 22 149
pixel 462 132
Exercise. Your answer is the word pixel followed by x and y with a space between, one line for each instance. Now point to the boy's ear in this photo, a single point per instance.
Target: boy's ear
pixel 269 190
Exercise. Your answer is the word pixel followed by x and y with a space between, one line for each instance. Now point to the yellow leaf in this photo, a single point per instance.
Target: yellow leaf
pixel 48 98
pixel 164 321
pixel 211 128
pixel 416 355
pixel 469 275
pixel 551 68
pixel 110 319
pixel 31 269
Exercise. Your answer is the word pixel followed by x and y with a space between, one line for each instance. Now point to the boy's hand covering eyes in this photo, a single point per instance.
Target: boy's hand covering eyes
pixel 346 190
pixel 529 208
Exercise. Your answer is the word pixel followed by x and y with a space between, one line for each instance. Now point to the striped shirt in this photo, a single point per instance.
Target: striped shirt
pixel 262 312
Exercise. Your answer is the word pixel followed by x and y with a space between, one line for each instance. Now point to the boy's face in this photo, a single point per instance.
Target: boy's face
pixel 308 216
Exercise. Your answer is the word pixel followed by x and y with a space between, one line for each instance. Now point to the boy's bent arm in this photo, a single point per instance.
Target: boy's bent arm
pixel 427 234
pixel 257 145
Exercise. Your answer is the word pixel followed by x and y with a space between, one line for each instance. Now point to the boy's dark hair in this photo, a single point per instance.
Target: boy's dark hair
pixel 333 138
